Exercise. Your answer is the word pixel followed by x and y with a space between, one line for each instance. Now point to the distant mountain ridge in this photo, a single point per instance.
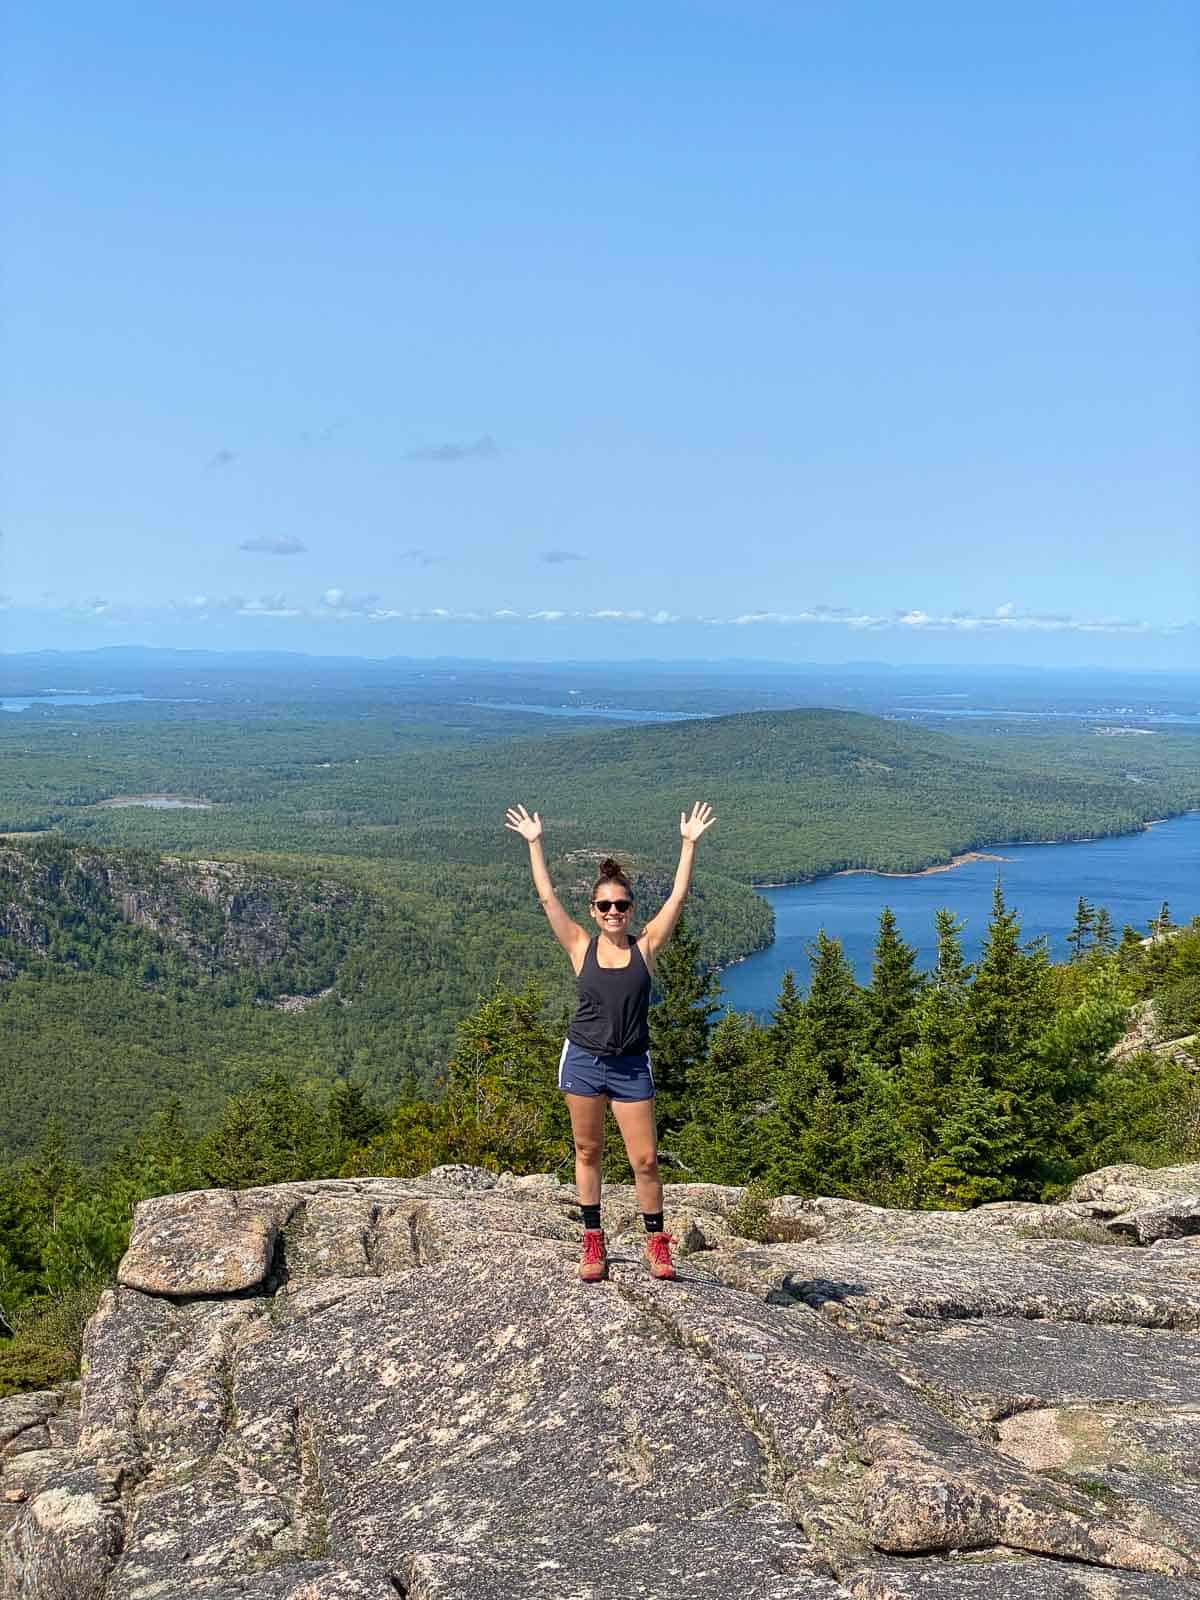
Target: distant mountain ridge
pixel 798 793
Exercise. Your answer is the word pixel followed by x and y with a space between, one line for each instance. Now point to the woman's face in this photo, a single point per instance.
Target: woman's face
pixel 612 920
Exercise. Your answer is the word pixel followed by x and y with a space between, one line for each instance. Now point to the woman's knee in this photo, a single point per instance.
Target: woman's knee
pixel 589 1152
pixel 645 1165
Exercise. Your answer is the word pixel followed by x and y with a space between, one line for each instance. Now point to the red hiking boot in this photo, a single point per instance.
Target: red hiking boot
pixel 658 1255
pixel 593 1258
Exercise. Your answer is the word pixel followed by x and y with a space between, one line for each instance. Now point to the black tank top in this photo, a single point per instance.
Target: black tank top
pixel 610 1018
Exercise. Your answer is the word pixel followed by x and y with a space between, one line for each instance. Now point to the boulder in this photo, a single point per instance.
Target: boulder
pixel 24 1417
pixel 227 1241
pixel 1123 1187
pixel 1142 1203
pixel 457 1176
pixel 1177 1217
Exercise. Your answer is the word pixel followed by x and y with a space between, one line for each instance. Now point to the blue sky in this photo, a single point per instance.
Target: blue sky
pixel 792 330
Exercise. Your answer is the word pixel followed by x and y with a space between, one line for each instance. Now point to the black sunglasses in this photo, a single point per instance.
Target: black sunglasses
pixel 612 905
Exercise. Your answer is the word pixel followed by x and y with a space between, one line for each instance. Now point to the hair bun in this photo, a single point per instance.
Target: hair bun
pixel 611 871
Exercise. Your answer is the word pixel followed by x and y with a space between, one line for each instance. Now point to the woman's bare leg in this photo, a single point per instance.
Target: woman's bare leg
pixel 635 1118
pixel 587 1129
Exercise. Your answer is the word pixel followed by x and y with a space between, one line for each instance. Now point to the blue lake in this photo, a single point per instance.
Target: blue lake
pixel 1124 717
pixel 64 697
pixel 72 697
pixel 1131 875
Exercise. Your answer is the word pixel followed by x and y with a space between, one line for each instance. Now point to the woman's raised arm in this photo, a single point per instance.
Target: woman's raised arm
pixel 568 932
pixel 660 928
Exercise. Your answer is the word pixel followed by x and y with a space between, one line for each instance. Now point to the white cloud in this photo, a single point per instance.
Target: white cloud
pixel 269 605
pixel 338 604
pixel 341 604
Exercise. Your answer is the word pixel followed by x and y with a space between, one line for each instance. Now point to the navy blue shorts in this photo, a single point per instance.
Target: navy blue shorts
pixel 581 1071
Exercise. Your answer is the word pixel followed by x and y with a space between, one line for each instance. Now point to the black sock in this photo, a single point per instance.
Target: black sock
pixel 653 1221
pixel 591 1216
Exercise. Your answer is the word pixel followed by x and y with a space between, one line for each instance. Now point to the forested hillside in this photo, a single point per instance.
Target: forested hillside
pixel 125 978
pixel 367 858
pixel 798 792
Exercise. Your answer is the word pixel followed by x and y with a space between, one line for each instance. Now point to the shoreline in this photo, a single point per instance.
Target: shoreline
pixel 925 872
pixel 959 860
pixel 967 856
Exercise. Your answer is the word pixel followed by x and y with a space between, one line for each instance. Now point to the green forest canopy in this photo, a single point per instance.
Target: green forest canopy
pixel 437 903
pixel 799 793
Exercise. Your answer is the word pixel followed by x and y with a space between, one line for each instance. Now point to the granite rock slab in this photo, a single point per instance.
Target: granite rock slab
pixel 368 1388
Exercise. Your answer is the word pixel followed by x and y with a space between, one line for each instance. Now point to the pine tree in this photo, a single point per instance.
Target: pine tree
pixel 273 1133
pixel 1159 955
pixel 1072 1065
pixel 787 1016
pixel 891 998
pixel 1129 951
pixel 729 1096
pixel 164 1159
pixel 942 1045
pixel 21 1234
pixel 1105 939
pixel 51 1177
pixel 834 1018
pixel 1010 999
pixel 680 1023
pixel 812 1119
pixel 809 1128
pixel 877 1156
pixel 975 1144
pixel 1081 928
pixel 502 1107
pixel 1009 1007
pixel 1147 1110
pixel 355 1120
pixel 89 1238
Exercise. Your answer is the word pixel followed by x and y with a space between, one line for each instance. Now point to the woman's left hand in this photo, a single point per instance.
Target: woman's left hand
pixel 702 817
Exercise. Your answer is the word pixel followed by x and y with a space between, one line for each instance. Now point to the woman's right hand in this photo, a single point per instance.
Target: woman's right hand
pixel 519 820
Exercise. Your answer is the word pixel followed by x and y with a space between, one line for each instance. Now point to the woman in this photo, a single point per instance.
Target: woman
pixel 606 1054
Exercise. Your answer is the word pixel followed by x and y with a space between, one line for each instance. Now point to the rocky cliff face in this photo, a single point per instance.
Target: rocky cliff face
pixel 376 1388
pixel 221 915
